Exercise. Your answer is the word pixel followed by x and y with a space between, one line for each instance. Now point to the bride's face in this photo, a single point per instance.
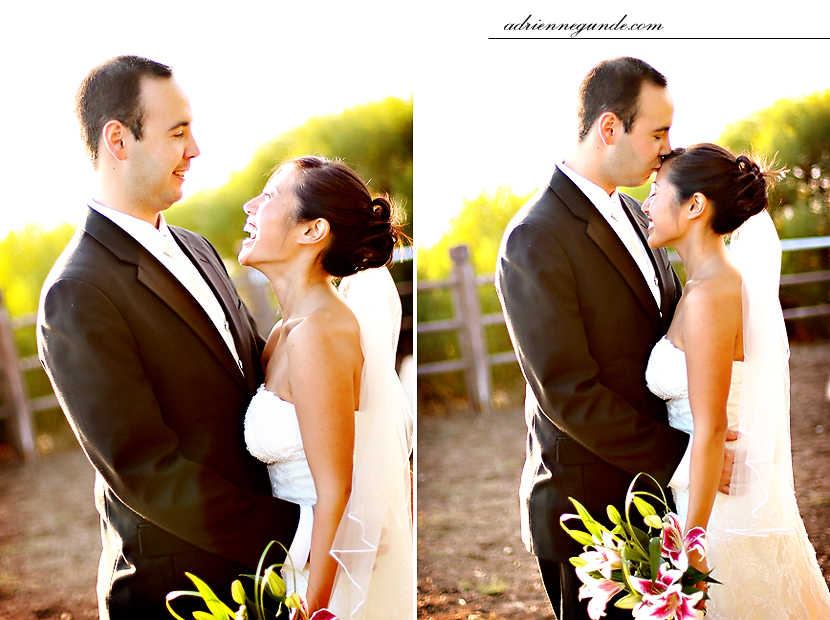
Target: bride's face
pixel 663 210
pixel 270 219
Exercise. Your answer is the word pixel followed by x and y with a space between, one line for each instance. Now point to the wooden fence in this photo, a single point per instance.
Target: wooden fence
pixel 470 324
pixel 17 408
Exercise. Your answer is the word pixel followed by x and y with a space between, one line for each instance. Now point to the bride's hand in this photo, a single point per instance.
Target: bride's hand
pixel 728 463
pixel 703 567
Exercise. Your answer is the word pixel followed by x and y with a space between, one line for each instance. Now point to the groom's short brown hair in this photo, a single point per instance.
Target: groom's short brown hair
pixel 614 86
pixel 112 90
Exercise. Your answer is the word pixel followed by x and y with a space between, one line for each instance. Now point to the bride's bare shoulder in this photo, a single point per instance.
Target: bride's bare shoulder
pixel 332 328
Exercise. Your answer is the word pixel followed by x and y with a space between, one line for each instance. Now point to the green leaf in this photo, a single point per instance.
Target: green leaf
pixel 216 606
pixel 633 554
pixel 654 548
pixel 578 535
pixel 583 538
pixel 578 562
pixel 593 526
pixel 174 595
pixel 203 615
pixel 628 601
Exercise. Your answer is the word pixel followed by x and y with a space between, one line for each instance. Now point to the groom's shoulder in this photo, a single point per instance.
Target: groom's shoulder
pixel 546 209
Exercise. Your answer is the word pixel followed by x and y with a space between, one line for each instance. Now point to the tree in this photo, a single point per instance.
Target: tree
pixel 796 133
pixel 26 256
pixel 479 224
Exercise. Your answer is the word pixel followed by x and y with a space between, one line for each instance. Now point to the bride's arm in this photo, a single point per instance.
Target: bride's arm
pixel 711 322
pixel 323 367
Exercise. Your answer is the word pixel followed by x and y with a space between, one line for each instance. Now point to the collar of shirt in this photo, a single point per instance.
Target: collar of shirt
pixel 146 234
pixel 593 192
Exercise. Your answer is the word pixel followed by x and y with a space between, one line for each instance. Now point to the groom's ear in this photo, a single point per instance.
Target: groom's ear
pixel 112 139
pixel 315 231
pixel 608 126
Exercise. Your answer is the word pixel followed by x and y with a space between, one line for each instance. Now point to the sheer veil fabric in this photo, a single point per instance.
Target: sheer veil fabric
pixel 374 544
pixel 760 549
pixel 764 413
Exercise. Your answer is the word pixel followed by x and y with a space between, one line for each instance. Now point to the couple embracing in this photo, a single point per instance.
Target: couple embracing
pixel 627 372
pixel 208 440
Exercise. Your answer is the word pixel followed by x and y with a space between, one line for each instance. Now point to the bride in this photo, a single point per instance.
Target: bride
pixel 331 419
pixel 724 365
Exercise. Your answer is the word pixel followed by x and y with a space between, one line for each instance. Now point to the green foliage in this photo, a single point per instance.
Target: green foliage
pixel 26 257
pixel 375 139
pixel 796 134
pixel 479 224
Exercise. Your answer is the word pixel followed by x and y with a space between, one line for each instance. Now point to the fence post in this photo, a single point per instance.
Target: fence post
pixel 14 390
pixel 471 332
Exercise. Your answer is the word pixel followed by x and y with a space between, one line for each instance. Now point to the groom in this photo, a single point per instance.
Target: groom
pixel 585 301
pixel 154 358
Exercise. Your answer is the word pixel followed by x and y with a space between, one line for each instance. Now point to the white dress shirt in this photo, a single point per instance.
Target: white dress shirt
pixel 614 213
pixel 609 206
pixel 160 243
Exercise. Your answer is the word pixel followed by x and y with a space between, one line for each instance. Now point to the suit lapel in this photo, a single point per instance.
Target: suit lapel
pixel 601 233
pixel 659 256
pixel 207 265
pixel 158 279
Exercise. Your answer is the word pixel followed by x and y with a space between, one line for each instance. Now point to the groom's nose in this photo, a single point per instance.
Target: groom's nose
pixel 665 145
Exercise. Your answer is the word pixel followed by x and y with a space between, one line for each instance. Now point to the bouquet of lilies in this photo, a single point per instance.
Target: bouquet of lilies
pixel 650 568
pixel 267 582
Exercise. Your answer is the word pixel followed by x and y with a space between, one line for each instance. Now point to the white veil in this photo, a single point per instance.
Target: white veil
pixel 374 538
pixel 764 467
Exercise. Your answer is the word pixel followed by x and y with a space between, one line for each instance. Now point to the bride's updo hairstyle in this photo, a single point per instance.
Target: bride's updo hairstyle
pixel 363 229
pixel 736 186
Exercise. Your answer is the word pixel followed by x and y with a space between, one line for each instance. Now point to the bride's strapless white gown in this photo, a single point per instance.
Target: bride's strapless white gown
pixel 272 433
pixel 770 577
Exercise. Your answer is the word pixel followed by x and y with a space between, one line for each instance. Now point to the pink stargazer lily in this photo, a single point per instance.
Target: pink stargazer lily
pixel 663 598
pixel 600 591
pixel 675 545
pixel 606 557
pixel 666 577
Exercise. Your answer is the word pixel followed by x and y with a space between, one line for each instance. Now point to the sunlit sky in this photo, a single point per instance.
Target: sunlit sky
pixel 487 112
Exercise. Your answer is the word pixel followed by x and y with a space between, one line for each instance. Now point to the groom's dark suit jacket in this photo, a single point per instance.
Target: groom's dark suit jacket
pixel 583 322
pixel 157 403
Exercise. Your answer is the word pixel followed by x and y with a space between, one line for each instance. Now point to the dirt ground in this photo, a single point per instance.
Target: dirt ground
pixel 472 564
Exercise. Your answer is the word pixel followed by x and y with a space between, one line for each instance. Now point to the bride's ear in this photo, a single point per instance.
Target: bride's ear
pixel 315 231
pixel 698 205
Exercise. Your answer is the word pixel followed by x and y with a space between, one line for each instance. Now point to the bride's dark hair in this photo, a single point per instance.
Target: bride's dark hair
pixel 736 186
pixel 363 229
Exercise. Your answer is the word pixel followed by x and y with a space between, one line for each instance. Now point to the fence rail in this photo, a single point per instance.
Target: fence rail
pixel 467 321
